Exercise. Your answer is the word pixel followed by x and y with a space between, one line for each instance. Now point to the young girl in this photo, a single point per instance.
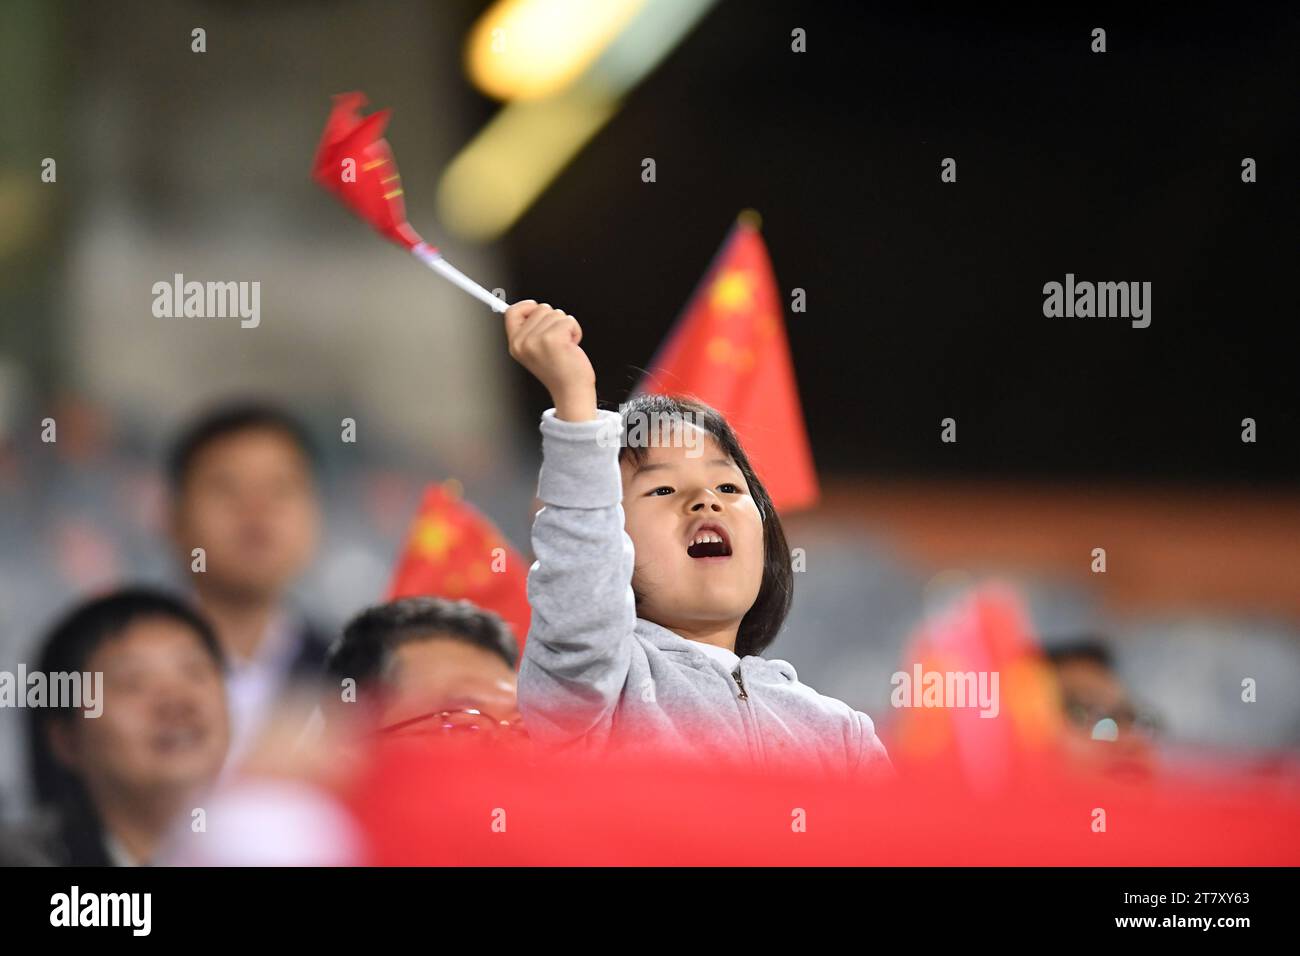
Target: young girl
pixel 662 573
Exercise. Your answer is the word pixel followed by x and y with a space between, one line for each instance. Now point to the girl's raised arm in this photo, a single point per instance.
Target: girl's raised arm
pixel 580 642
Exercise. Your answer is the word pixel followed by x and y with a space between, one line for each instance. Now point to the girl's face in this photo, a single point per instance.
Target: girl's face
pixel 697 533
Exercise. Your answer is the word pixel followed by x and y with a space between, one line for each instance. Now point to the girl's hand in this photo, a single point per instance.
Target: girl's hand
pixel 545 341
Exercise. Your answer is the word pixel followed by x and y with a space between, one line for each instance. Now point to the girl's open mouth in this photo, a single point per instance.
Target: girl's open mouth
pixel 709 541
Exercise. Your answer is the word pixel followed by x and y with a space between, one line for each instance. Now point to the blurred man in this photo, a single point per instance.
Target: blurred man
pixel 407 679
pixel 1105 731
pixel 426 665
pixel 111 787
pixel 244 491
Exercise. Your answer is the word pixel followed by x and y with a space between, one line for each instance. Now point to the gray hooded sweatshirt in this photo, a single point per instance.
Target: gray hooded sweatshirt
pixel 595 676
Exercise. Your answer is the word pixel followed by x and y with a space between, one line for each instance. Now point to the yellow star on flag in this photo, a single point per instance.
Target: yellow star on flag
pixel 731 291
pixel 433 537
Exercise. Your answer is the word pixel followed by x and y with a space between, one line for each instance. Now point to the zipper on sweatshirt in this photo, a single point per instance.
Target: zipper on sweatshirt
pixel 740 683
pixel 748 708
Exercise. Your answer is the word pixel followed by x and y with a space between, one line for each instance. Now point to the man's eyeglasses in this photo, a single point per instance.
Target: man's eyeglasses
pixel 466 721
pixel 1124 719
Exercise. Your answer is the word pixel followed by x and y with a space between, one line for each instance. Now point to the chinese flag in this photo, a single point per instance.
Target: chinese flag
pixel 454 552
pixel 729 350
pixel 355 162
pixel 983 632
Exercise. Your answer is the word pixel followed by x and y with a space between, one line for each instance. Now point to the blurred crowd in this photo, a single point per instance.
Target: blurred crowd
pixel 223 674
pixel 196 672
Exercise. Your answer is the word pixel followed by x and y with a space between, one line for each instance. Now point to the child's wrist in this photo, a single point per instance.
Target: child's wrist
pixel 575 405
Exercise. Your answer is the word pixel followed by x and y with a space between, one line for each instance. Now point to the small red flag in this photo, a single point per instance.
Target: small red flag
pixel 454 552
pixel 355 163
pixel 729 350
pixel 1005 715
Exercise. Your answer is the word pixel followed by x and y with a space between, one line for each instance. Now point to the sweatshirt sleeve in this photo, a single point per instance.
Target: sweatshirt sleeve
pixel 579 646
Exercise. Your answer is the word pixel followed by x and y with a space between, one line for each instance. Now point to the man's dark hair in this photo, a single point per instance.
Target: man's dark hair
pixel 67 648
pixel 227 420
pixel 1085 647
pixel 761 624
pixel 370 638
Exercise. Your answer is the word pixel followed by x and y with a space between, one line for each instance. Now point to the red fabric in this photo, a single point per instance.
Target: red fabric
pixel 439 805
pixel 376 195
pixel 450 553
pixel 729 349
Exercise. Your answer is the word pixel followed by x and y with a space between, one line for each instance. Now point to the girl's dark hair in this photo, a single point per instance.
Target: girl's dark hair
pixel 67 648
pixel 761 624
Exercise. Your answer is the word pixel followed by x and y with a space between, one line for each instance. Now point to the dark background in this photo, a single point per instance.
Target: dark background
pixel 925 298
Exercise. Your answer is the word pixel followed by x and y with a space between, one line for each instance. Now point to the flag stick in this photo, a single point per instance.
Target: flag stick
pixel 432 258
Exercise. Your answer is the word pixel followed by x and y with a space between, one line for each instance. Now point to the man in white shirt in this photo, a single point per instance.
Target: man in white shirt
pixel 245 523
